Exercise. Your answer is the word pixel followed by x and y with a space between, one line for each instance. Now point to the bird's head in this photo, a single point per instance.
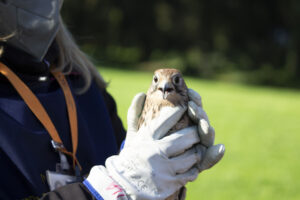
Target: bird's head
pixel 168 84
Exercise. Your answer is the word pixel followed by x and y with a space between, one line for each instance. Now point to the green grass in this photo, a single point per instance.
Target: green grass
pixel 259 126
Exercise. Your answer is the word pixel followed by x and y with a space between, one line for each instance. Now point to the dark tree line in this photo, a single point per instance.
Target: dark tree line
pixel 257 39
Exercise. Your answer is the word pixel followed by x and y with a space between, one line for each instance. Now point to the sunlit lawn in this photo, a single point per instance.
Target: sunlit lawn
pixel 260 128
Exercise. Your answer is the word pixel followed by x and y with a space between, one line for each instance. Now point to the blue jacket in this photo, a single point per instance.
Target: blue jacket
pixel 25 149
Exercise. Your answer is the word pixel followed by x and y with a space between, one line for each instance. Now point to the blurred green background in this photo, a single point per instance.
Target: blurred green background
pixel 241 56
pixel 251 41
pixel 258 125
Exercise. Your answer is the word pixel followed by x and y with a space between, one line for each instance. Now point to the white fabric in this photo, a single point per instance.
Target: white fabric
pixel 210 153
pixel 153 166
pixel 105 185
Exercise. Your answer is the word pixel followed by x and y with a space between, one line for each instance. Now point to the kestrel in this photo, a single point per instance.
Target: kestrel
pixel 167 89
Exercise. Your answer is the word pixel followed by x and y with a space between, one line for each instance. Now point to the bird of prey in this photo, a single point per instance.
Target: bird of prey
pixel 167 89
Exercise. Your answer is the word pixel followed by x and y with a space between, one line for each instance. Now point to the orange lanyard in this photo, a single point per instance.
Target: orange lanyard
pixel 39 111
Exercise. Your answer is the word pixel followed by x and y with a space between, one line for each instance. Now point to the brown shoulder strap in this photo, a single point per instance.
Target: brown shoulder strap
pixel 39 111
pixel 71 106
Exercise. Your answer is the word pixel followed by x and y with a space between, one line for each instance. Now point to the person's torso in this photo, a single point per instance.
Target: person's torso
pixel 25 149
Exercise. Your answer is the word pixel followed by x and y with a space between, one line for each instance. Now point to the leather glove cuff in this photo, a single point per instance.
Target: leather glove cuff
pixel 103 186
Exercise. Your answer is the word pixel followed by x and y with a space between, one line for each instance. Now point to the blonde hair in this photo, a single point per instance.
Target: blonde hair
pixel 72 58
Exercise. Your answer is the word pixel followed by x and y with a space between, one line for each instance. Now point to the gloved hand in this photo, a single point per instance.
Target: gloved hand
pixel 210 154
pixel 151 165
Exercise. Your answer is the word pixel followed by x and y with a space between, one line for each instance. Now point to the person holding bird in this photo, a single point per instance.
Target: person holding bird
pixel 60 134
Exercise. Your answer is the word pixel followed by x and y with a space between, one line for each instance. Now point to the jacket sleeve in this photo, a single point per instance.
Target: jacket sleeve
pixel 119 130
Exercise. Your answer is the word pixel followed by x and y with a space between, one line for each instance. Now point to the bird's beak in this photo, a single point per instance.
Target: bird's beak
pixel 166 88
pixel 165 95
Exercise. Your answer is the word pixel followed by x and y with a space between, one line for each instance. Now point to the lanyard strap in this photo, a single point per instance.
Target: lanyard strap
pixel 39 111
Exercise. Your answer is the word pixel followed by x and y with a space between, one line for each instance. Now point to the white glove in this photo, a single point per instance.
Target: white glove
pixel 210 154
pixel 151 165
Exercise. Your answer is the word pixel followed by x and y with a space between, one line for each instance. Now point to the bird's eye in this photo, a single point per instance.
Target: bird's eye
pixel 155 79
pixel 176 80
